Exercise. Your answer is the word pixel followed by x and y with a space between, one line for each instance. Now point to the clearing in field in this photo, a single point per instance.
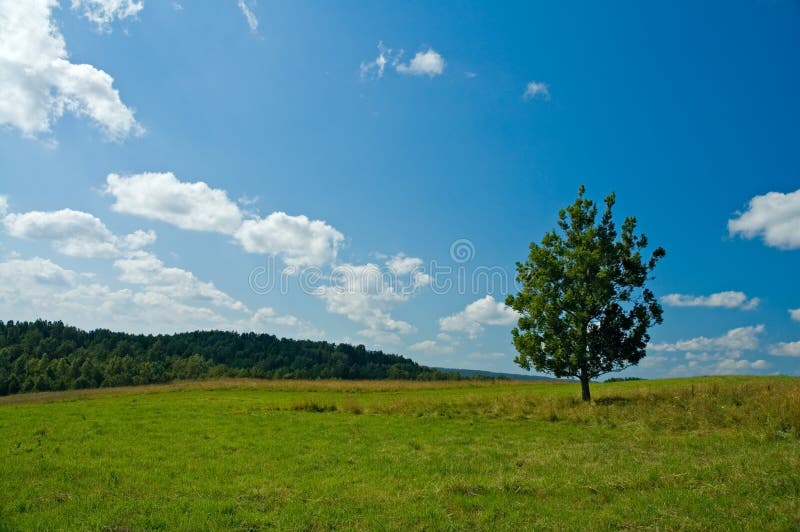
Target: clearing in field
pixel 241 454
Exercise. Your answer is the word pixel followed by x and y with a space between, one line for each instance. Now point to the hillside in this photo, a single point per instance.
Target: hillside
pixel 43 355
pixel 246 454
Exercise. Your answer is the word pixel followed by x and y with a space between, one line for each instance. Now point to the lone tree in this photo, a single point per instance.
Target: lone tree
pixel 584 307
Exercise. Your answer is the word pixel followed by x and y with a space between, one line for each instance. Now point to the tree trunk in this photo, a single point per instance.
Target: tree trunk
pixel 585 395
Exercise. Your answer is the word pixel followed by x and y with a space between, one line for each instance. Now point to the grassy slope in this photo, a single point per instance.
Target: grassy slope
pixel 699 453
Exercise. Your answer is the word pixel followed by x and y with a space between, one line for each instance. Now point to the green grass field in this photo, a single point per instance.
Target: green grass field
pixel 721 453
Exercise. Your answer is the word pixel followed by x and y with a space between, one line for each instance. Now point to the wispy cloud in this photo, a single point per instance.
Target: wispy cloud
pixel 247 11
pixel 728 299
pixel 735 340
pixel 375 68
pixel 536 89
pixel 428 63
pixel 104 12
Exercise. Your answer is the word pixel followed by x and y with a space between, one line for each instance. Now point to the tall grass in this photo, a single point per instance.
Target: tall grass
pixel 706 453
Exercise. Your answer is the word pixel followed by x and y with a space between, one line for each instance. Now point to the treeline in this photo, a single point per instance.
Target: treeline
pixel 44 355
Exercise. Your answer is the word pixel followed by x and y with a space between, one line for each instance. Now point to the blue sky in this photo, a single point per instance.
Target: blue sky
pixel 159 161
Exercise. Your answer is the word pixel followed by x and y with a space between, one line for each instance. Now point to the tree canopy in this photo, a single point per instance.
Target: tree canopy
pixel 584 305
pixel 43 355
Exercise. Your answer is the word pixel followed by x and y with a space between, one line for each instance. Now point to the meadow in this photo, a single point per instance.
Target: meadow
pixel 691 454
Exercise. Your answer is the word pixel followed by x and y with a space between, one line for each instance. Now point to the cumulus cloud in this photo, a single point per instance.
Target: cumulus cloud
pixel 22 277
pixel 252 20
pixel 363 295
pixel 74 233
pixel 717 364
pixel 296 239
pixel 735 341
pixel 795 314
pixel 139 239
pixel 536 89
pixel 146 269
pixel 161 196
pixel 411 268
pixel 785 349
pixel 104 12
pixel 720 355
pixel 728 299
pixel 775 217
pixel 160 299
pixel 432 346
pixel 38 288
pixel 482 312
pixel 267 319
pixel 38 82
pixel 429 63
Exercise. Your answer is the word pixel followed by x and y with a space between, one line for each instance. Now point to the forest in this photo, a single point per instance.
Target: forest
pixel 49 355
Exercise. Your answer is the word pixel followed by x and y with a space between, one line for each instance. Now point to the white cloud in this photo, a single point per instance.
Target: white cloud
pixel 380 338
pixel 721 355
pixel 363 295
pixel 252 20
pixel 726 366
pixel 401 265
pixel 716 364
pixel 74 233
pixel 296 239
pixel 482 312
pixel 3 205
pixel 161 300
pixel 536 89
pixel 775 217
pixel 266 320
pixel 38 288
pixel 247 201
pixel 21 277
pixel 104 12
pixel 785 349
pixel 432 346
pixel 654 361
pixel 142 268
pixel 728 299
pixel 734 341
pixel 428 63
pixel 161 196
pixel 794 313
pixel 139 239
pixel 376 67
pixel 38 83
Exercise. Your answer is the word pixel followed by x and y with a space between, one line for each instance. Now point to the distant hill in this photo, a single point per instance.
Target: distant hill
pixel 43 355
pixel 496 375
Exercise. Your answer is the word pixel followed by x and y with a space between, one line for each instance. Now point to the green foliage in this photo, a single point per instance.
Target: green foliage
pixel 584 305
pixel 684 454
pixel 42 356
